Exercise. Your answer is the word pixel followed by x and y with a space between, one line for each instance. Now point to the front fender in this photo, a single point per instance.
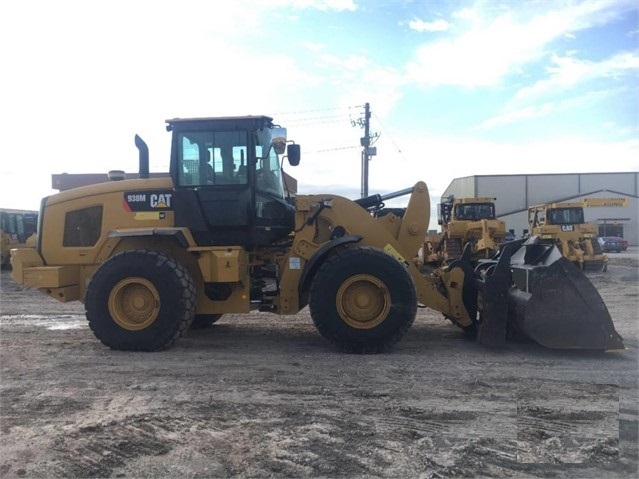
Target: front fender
pixel 318 257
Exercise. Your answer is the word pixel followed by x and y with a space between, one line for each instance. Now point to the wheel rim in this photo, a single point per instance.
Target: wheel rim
pixel 134 303
pixel 363 301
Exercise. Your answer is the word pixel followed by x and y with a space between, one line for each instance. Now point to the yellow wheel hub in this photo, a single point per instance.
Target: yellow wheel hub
pixel 363 301
pixel 134 303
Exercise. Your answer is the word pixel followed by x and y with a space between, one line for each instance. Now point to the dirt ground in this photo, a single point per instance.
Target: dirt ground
pixel 266 396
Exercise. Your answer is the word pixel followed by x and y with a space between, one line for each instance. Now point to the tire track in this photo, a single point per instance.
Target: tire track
pixel 96 450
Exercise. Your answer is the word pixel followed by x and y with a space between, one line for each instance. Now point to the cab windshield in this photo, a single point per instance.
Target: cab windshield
pixel 565 216
pixel 268 172
pixel 271 141
pixel 475 211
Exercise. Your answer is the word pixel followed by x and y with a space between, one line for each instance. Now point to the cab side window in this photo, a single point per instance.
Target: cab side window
pixel 212 158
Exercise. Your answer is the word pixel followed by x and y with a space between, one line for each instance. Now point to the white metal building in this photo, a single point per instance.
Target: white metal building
pixel 515 193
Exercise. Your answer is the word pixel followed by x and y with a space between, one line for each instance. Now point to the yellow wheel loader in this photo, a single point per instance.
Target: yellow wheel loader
pixel 17 230
pixel 563 224
pixel 152 257
pixel 464 221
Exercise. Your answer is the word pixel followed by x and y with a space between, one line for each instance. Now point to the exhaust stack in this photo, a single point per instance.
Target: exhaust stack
pixel 144 157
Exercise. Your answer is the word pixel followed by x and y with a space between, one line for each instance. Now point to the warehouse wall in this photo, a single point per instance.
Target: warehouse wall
pixel 626 183
pixel 507 189
pixel 542 189
pixel 460 187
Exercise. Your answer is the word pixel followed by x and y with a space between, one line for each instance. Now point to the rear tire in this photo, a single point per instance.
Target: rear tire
pixel 362 300
pixel 140 300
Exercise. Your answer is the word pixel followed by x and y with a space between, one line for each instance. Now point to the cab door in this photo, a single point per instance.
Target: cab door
pixel 212 194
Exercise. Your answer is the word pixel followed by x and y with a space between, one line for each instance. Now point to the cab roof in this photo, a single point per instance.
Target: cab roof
pixel 225 122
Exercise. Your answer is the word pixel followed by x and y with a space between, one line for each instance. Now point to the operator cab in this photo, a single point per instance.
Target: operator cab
pixel 228 179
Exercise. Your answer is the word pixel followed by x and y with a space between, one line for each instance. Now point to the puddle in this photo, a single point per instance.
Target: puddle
pixel 50 322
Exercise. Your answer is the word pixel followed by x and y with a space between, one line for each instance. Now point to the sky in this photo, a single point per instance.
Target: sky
pixel 455 89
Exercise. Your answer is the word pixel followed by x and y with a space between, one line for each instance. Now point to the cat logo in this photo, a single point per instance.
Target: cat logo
pixel 162 200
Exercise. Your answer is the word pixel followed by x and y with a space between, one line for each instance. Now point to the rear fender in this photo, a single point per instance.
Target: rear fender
pixel 151 238
pixel 180 234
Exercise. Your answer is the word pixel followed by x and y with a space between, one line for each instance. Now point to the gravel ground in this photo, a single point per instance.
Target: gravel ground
pixel 264 396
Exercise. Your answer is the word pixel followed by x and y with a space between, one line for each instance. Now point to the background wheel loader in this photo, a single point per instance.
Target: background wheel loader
pixel 563 224
pixel 464 221
pixel 152 257
pixel 17 230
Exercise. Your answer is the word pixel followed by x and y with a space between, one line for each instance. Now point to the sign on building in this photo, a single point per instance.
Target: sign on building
pixel 605 202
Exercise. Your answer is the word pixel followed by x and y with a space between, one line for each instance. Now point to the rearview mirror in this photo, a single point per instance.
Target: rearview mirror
pixel 278 139
pixel 294 154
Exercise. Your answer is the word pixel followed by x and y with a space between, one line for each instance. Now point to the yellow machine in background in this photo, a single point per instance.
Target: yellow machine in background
pixel 563 225
pixel 152 257
pixel 465 221
pixel 17 229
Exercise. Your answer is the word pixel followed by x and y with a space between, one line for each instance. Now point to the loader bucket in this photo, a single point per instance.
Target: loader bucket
pixel 549 300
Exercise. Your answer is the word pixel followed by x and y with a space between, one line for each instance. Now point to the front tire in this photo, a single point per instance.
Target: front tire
pixel 362 300
pixel 140 300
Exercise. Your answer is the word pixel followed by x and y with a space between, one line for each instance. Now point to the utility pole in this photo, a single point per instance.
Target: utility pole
pixel 367 150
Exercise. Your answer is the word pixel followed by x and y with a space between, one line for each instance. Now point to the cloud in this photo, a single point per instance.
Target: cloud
pixel 500 43
pixel 336 5
pixel 522 157
pixel 321 5
pixel 466 14
pixel 314 47
pixel 422 26
pixel 567 72
pixel 514 112
pixel 479 57
pixel 356 79
pixel 526 113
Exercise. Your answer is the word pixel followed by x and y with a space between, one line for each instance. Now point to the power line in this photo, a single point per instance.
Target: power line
pixel 318 110
pixel 331 149
pixel 366 141
pixel 312 121
pixel 399 150
pixel 294 118
pixel 341 117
